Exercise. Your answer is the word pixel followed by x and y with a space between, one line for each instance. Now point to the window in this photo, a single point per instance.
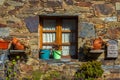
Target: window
pixel 62 31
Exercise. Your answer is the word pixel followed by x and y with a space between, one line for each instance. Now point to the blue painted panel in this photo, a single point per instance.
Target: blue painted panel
pixel 87 30
pixel 32 23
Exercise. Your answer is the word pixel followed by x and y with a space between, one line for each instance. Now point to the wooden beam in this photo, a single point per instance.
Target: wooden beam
pixel 59 33
pixel 60 36
pixel 40 31
pixel 57 37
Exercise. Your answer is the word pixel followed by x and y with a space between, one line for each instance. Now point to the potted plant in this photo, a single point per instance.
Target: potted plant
pixel 89 71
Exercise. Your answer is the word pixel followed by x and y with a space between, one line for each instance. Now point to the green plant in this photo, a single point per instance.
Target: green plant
pixel 52 75
pixel 36 75
pixel 89 71
pixel 12 69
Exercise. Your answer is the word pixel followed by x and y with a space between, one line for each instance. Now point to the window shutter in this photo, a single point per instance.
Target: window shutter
pixel 32 23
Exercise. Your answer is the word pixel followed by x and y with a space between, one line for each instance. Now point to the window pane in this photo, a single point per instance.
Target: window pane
pixel 49 24
pixel 68 24
pixel 65 37
pixel 47 47
pixel 65 50
pixel 68 50
pixel 48 37
pixel 68 37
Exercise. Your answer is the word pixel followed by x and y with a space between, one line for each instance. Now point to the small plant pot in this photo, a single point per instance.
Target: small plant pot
pixel 4 45
pixel 56 54
pixel 45 54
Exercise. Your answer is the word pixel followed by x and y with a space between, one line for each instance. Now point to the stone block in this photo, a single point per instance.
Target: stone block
pixel 33 1
pixel 113 24
pixel 12 12
pixel 83 9
pixel 103 9
pixel 76 10
pixel 83 4
pixel 114 33
pixel 13 19
pixel 114 1
pixel 33 41
pixel 96 20
pixel 109 19
pixel 4 32
pixel 117 5
pixel 2 2
pixel 99 26
pixel 49 10
pixel 3 22
pixel 15 3
pixel 69 2
pixel 118 17
pixel 118 12
pixel 54 3
pixel 86 30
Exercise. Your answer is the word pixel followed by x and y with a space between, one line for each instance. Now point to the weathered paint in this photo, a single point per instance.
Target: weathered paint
pixel 32 23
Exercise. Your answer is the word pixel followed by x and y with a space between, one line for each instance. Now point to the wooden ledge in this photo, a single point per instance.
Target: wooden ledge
pixel 96 51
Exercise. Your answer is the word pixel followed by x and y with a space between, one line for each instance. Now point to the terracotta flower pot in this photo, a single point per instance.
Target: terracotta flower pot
pixel 97 43
pixel 4 44
pixel 14 40
pixel 19 46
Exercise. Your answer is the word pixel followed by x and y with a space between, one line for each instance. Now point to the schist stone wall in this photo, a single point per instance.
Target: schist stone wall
pixel 95 18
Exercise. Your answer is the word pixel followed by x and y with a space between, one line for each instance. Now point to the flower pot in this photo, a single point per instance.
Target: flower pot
pixel 14 40
pixel 56 54
pixel 19 46
pixel 97 43
pixel 45 54
pixel 4 44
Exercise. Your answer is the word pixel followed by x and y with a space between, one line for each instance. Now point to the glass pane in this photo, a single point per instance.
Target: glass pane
pixel 68 50
pixel 68 24
pixel 72 50
pixel 48 37
pixel 72 37
pixel 65 37
pixel 47 47
pixel 49 24
pixel 65 50
pixel 68 37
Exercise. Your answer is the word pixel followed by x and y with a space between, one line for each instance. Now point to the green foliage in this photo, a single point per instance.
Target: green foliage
pixel 90 70
pixel 11 69
pixel 37 75
pixel 52 75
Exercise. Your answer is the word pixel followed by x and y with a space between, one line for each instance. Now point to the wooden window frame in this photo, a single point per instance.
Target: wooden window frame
pixel 58 30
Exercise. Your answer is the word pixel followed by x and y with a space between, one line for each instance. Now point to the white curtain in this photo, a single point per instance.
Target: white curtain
pixel 49 37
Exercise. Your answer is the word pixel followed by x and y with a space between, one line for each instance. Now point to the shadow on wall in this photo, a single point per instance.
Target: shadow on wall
pixel 84 51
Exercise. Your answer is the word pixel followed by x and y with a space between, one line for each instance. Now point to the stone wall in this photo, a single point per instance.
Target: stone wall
pixel 102 15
